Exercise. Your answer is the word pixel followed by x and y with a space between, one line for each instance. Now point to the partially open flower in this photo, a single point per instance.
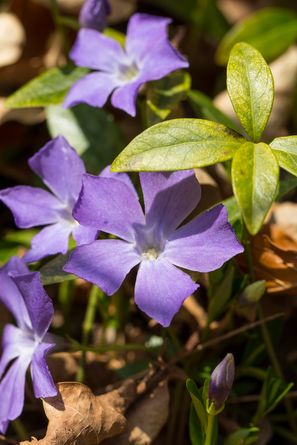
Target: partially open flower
pixel 221 381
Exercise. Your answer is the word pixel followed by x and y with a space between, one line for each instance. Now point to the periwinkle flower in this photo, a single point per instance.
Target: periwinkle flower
pixel 148 55
pixel 155 240
pixel 61 170
pixel 27 343
pixel 221 381
pixel 93 14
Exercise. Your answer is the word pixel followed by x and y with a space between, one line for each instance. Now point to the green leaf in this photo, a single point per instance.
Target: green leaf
pixel 286 185
pixel 165 94
pixel 52 272
pixel 178 144
pixel 252 293
pixel 233 209
pixel 92 131
pixel 273 391
pixel 197 403
pixel 255 174
pixel 47 89
pixel 243 436
pixel 203 106
pixel 285 150
pixel 250 87
pixel 271 31
pixel 197 436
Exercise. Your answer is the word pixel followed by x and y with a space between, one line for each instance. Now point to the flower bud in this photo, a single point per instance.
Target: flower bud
pixel 221 381
pixel 93 14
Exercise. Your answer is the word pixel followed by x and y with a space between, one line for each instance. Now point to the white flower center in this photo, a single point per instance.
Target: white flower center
pixel 128 72
pixel 150 254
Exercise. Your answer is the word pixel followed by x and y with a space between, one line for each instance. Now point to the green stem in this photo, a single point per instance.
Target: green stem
pixel 20 429
pixel 210 430
pixel 87 328
pixel 248 252
pixel 59 23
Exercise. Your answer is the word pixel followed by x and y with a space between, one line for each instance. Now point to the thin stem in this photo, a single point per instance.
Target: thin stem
pixel 248 252
pixel 87 328
pixel 59 23
pixel 210 430
pixel 276 365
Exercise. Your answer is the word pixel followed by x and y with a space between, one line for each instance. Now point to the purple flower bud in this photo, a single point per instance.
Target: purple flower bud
pixel 93 14
pixel 221 381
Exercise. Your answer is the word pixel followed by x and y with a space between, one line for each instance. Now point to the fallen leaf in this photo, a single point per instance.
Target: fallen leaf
pixel 78 417
pixel 284 215
pixel 12 38
pixel 145 419
pixel 275 259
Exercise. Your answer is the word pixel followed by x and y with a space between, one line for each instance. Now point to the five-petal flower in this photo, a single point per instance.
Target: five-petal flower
pixel 61 170
pixel 148 55
pixel 154 240
pixel 28 342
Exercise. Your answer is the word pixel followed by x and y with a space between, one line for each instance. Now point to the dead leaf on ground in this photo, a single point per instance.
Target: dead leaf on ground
pixel 78 417
pixel 275 259
pixel 12 38
pixel 284 214
pixel 145 419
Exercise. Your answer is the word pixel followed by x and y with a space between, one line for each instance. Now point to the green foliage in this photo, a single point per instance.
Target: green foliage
pixel 52 272
pixel 271 31
pixel 178 144
pixel 250 87
pixel 204 107
pixel 273 391
pixel 253 292
pixel 163 95
pixel 255 178
pixel 91 131
pixel 220 293
pixel 243 436
pixel 47 89
pixel 285 150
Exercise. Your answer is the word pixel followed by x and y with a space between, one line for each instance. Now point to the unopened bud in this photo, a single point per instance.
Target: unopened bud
pixel 221 381
pixel 93 14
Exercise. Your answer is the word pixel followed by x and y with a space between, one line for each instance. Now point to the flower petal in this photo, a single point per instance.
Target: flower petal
pixel 108 205
pixel 43 383
pixel 38 303
pixel 106 173
pixel 3 426
pixel 125 96
pixel 10 294
pixel 12 388
pixel 94 50
pixel 104 263
pixel 144 32
pixel 60 168
pixel 205 243
pixel 93 14
pixel 92 89
pixel 161 289
pixel 31 206
pixel 84 234
pixel 172 60
pixel 49 241
pixel 169 198
pixel 14 344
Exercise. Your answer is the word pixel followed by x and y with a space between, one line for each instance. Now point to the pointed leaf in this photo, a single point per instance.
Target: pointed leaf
pixel 285 150
pixel 255 174
pixel 178 144
pixel 47 89
pixel 198 403
pixel 250 87
pixel 271 31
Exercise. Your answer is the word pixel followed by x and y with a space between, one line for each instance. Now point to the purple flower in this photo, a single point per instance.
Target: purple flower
pixel 154 240
pixel 221 381
pixel 148 55
pixel 93 14
pixel 28 342
pixel 61 170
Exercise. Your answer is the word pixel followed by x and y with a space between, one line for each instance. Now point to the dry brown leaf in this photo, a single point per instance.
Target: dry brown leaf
pixel 275 259
pixel 145 419
pixel 284 214
pixel 12 38
pixel 78 417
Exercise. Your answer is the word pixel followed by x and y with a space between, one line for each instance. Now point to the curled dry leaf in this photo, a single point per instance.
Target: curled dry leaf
pixel 12 38
pixel 275 259
pixel 145 419
pixel 78 417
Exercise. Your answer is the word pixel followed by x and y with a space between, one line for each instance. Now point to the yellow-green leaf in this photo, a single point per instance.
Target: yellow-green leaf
pixel 285 150
pixel 255 175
